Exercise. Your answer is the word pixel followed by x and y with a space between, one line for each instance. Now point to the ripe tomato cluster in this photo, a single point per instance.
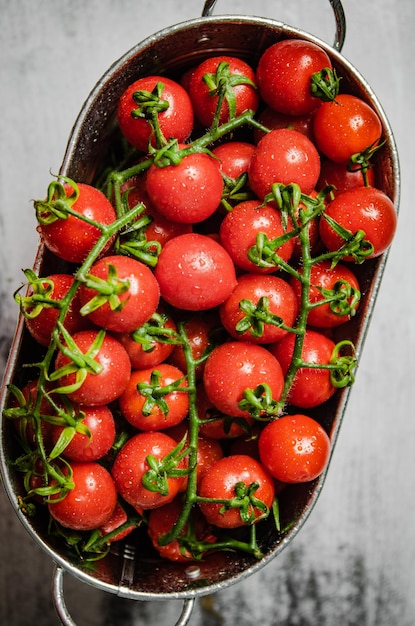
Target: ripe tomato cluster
pixel 192 332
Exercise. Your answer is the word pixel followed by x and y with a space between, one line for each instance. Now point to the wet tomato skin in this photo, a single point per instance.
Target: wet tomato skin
pixel 294 448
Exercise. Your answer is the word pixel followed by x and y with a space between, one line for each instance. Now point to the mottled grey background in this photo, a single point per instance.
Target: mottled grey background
pixel 354 561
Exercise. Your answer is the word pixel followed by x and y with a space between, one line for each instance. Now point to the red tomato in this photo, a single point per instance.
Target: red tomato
pixel 90 503
pixel 159 409
pixel 284 156
pixel 345 127
pixel 144 348
pixel 324 276
pixel 189 192
pixel 234 157
pixel 161 520
pixel 294 448
pixel 225 480
pixel 246 305
pixel 235 366
pixel 129 296
pixel 339 176
pixel 131 465
pixel 364 208
pixel 42 325
pixel 160 229
pixel 205 103
pixel 311 387
pixel 100 422
pixel 176 121
pixel 198 332
pixel 218 425
pixel 195 272
pixel 284 75
pixel 108 382
pixel 240 227
pixel 72 239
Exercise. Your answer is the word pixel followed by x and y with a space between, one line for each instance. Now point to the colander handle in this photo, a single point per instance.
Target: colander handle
pixel 66 619
pixel 338 11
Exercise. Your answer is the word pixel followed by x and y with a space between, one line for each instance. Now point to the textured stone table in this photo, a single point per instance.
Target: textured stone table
pixel 354 561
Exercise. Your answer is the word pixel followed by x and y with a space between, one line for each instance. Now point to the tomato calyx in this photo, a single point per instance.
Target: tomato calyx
pixel 80 363
pixel 325 84
pixel 355 246
pixel 155 330
pixel 149 105
pixel 235 190
pixel 40 297
pixel 155 479
pixel 343 366
pixel 58 203
pixel 343 299
pixel 154 392
pixel 221 84
pixel 259 403
pixel 257 316
pixel 108 290
pixel 361 161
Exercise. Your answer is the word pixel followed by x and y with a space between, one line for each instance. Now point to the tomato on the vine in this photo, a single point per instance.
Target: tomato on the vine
pixel 187 192
pixel 284 156
pixel 234 157
pixel 284 75
pixel 337 284
pixel 97 373
pixel 365 209
pixel 346 127
pixel 90 503
pixel 204 93
pixel 195 272
pixel 72 238
pixel 243 485
pixel 258 308
pixel 235 366
pixel 152 406
pixel 137 473
pixel 312 385
pixel 294 448
pixel 119 293
pixel 240 228
pixel 171 102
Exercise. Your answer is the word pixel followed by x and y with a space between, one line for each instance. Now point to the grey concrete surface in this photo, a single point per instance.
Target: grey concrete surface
pixel 354 561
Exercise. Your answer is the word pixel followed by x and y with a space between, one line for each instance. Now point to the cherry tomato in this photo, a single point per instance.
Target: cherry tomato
pixel 131 464
pixel 188 192
pixel 100 422
pixel 146 349
pixel 176 121
pixel 364 208
pixel 341 178
pixel 284 75
pixel 113 370
pixel 284 156
pixel 229 478
pixel 294 448
pixel 238 365
pixel 311 387
pixel 255 298
pixel 42 325
pixel 91 502
pixel 72 238
pixel 195 272
pixel 158 409
pixel 345 127
pixel 234 157
pixel 205 104
pixel 161 520
pixel 240 228
pixel 325 277
pixel 133 293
